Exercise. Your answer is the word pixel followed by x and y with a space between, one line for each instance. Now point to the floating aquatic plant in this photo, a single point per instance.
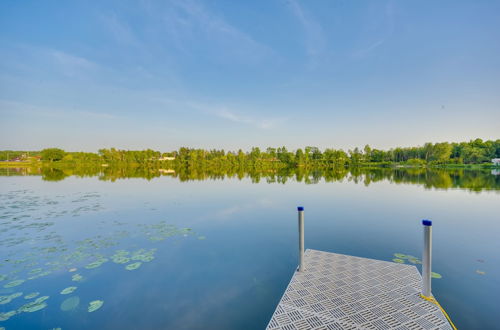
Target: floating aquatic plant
pixel 96 263
pixel 201 237
pixel 31 295
pixel 13 284
pixel 3 277
pixel 133 266
pixel 68 290
pixel 120 259
pixel 7 299
pixel 34 306
pixel 70 303
pixel 72 270
pixel 436 275
pixel 77 277
pixel 95 305
pixel 400 256
pixel 35 271
pixel 480 272
pixel 414 261
pixel 7 315
pixel 399 261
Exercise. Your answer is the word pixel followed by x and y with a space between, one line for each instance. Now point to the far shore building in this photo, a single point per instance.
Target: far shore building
pixel 496 161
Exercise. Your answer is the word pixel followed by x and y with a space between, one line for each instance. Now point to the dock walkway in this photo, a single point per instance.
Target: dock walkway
pixel 337 291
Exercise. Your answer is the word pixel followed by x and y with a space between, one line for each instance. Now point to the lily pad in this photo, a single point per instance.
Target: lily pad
pixel 400 256
pixel 414 261
pixel 70 303
pixel 133 266
pixel 68 290
pixel 13 283
pixel 201 237
pixel 7 315
pixel 399 261
pixel 480 272
pixel 31 295
pixel 77 278
pixel 436 275
pixel 120 259
pixel 96 263
pixel 34 306
pixel 95 305
pixel 7 299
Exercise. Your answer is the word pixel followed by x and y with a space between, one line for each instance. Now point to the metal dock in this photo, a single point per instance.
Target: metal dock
pixel 336 291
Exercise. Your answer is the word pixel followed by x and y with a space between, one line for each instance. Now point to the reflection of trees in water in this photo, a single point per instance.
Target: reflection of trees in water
pixel 474 180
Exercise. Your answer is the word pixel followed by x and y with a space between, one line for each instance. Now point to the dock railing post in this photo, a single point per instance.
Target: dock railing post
pixel 300 209
pixel 427 258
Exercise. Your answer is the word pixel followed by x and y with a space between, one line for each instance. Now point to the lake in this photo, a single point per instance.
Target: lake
pixel 124 249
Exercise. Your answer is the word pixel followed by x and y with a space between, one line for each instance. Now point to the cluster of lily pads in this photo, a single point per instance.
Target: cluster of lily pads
pixel 30 307
pixel 401 258
pixel 32 252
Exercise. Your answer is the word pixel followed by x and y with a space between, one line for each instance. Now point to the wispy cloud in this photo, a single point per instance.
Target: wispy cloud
pixel 237 116
pixel 314 38
pixel 189 20
pixel 71 65
pixel 120 30
pixel 387 27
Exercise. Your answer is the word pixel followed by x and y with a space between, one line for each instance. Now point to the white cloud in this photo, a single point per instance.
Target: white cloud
pixel 189 22
pixel 237 117
pixel 314 38
pixel 72 65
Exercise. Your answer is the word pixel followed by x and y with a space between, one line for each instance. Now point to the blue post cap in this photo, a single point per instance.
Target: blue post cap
pixel 427 222
pixel 300 208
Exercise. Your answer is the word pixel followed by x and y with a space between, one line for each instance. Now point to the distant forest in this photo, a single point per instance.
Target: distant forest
pixel 431 154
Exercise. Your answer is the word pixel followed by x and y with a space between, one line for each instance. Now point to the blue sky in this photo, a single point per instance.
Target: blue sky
pixel 82 75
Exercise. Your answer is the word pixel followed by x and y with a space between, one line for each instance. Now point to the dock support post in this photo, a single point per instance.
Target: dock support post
pixel 301 238
pixel 427 258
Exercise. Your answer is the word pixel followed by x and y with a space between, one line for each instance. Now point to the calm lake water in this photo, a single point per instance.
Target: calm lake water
pixel 174 253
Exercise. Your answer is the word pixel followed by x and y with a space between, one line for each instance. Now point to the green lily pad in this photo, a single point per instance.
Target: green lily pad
pixel 13 283
pixel 7 299
pixel 31 295
pixel 41 299
pixel 95 305
pixel 436 275
pixel 70 303
pixel 133 266
pixel 7 315
pixel 120 259
pixel 96 263
pixel 34 306
pixel 35 271
pixel 399 261
pixel 3 277
pixel 68 290
pixel 414 261
pixel 77 278
pixel 201 237
pixel 400 256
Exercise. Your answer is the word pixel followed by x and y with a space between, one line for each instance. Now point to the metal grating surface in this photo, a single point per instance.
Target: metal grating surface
pixel 337 291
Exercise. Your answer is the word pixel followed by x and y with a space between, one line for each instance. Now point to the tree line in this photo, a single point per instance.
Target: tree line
pixel 429 178
pixel 444 153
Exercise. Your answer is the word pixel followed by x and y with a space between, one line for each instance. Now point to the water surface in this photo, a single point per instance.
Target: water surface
pixel 218 253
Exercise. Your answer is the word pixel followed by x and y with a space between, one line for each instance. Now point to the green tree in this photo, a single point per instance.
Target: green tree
pixel 52 154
